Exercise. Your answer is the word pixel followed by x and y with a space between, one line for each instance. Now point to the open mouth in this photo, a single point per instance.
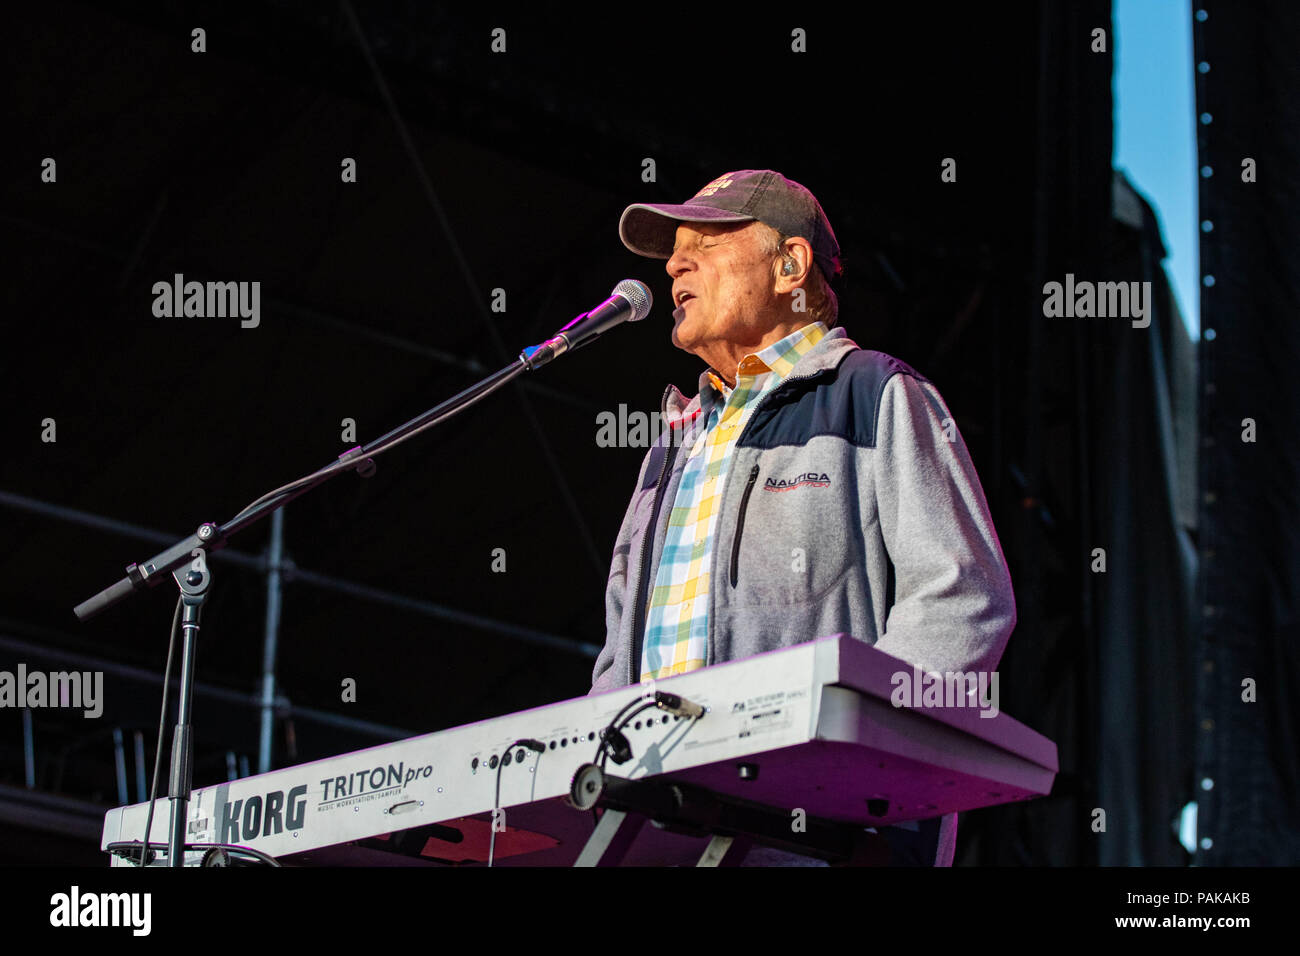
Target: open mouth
pixel 683 296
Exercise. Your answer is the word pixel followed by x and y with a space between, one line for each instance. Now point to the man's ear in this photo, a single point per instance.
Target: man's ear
pixel 793 265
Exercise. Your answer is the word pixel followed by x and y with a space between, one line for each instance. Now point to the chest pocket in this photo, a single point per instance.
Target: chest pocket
pixel 797 527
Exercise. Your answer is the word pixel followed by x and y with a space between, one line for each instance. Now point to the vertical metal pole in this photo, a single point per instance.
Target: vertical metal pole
pixel 182 770
pixel 271 640
pixel 29 751
pixel 119 763
pixel 141 794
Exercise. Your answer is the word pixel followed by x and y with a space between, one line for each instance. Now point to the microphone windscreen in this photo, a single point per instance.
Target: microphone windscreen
pixel 638 294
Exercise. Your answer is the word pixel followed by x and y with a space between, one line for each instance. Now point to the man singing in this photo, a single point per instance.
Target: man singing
pixel 812 487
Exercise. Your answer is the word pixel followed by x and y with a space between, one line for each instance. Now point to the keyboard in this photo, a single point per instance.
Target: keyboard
pixel 818 729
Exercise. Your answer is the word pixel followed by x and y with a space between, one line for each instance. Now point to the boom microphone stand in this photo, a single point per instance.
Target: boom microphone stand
pixel 630 301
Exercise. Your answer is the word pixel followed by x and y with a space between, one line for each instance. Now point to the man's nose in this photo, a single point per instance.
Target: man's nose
pixel 677 264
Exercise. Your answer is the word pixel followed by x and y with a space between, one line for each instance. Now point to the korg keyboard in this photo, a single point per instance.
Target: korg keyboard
pixel 814 732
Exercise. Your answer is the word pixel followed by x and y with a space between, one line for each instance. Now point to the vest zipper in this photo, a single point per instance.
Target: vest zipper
pixel 647 549
pixel 753 476
pixel 740 524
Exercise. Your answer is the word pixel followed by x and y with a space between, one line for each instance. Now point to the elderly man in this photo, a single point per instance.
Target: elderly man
pixel 811 487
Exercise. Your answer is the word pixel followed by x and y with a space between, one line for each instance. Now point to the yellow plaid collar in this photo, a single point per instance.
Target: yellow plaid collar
pixel 779 357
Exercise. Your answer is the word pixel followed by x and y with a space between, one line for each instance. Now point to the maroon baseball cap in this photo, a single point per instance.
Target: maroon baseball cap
pixel 650 229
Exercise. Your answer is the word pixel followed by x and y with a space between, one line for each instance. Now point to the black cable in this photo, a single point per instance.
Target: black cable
pixel 598 759
pixel 645 705
pixel 534 745
pixel 620 721
pixel 265 858
pixel 612 725
pixel 602 749
pixel 145 847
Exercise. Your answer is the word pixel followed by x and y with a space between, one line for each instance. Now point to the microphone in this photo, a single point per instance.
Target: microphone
pixel 630 301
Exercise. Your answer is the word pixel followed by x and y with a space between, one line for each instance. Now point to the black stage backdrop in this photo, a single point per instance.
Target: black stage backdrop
pixel 480 171
pixel 1140 416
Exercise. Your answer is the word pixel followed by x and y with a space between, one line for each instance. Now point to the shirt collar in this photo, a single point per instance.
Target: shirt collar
pixel 778 358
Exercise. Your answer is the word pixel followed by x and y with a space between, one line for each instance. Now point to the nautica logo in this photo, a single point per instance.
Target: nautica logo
pixel 810 479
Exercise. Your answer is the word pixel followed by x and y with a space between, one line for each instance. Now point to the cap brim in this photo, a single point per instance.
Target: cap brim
pixel 650 229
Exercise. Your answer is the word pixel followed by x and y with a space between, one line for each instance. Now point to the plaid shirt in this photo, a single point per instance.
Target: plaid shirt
pixel 677 620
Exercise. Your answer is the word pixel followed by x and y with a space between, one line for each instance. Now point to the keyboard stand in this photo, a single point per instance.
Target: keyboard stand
pixel 733 826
